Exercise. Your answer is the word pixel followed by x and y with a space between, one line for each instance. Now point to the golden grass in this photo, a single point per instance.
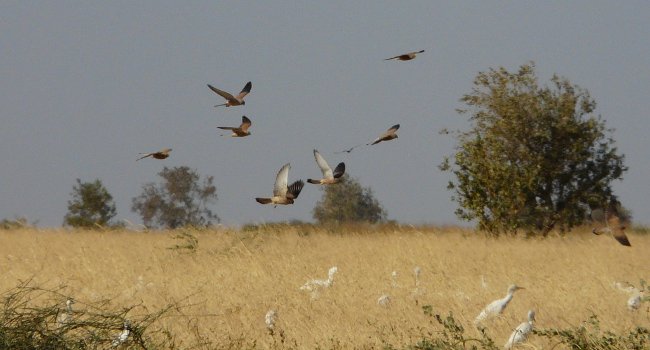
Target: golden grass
pixel 235 277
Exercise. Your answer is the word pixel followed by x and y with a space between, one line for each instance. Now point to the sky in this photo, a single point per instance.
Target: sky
pixel 87 85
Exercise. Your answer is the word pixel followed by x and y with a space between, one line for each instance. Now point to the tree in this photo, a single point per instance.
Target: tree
pixel 178 201
pixel 91 205
pixel 535 157
pixel 347 201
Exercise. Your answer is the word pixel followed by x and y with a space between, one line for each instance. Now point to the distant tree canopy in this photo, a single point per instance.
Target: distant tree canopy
pixel 535 157
pixel 179 200
pixel 347 201
pixel 91 205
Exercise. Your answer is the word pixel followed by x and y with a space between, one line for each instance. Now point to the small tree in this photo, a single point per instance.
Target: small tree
pixel 91 205
pixel 535 157
pixel 178 201
pixel 347 201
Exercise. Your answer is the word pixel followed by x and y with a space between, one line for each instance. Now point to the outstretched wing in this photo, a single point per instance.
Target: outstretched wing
pixel 245 123
pixel 294 189
pixel 618 231
pixel 392 130
pixel 324 167
pixel 280 187
pixel 245 90
pixel 339 170
pixel 221 93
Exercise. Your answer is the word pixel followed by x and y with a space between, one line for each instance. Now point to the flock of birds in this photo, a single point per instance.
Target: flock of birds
pixel 283 192
pixel 490 311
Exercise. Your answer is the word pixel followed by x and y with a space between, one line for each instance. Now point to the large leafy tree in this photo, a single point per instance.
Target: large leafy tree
pixel 179 200
pixel 348 201
pixel 536 157
pixel 91 205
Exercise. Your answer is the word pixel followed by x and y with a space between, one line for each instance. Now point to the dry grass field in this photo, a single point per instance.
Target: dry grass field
pixel 227 284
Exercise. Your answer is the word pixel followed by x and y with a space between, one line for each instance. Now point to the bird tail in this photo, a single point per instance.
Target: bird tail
pixel 223 104
pixel 263 200
pixel 312 181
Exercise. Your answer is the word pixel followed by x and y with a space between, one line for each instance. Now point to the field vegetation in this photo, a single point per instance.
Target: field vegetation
pixel 211 288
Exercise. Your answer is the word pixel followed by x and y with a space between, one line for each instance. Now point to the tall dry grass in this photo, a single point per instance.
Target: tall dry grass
pixel 231 279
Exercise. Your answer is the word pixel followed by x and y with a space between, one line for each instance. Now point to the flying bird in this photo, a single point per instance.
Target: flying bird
pixel 613 224
pixel 521 332
pixel 157 155
pixel 233 100
pixel 283 194
pixel 329 176
pixel 242 130
pixel 405 57
pixel 496 307
pixel 348 150
pixel 387 136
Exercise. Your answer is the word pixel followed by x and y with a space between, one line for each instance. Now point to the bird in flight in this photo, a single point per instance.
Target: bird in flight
pixel 283 194
pixel 405 57
pixel 613 224
pixel 242 130
pixel 162 154
pixel 388 135
pixel 232 100
pixel 329 176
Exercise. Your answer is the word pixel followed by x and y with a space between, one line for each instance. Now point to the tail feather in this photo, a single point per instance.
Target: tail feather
pixel 263 200
pixel 312 181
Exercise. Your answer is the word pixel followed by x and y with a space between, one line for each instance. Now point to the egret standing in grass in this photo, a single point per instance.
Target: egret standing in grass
pixel 65 317
pixel 496 307
pixel 315 286
pixel 123 336
pixel 270 319
pixel 521 332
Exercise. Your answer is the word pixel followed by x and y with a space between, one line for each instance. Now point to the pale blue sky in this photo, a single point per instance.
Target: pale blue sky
pixel 85 86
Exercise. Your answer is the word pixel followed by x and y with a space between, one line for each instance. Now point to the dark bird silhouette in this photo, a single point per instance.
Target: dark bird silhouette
pixel 162 154
pixel 405 57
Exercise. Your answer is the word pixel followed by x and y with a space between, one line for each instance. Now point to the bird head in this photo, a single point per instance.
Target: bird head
pixel 531 315
pixel 243 102
pixel 514 288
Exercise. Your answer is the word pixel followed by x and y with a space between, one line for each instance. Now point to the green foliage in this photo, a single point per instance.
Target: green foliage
pixel 30 318
pixel 535 157
pixel 91 205
pixel 186 241
pixel 14 224
pixel 178 201
pixel 347 201
pixel 589 336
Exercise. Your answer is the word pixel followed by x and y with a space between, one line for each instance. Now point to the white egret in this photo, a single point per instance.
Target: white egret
pixel 496 307
pixel 314 286
pixel 521 332
pixel 123 336
pixel 65 317
pixel 270 318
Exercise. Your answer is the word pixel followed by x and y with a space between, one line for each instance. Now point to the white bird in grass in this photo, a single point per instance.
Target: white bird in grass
pixel 521 332
pixel 393 279
pixel 123 336
pixel 314 286
pixel 384 300
pixel 64 318
pixel 634 302
pixel 269 319
pixel 417 291
pixel 496 307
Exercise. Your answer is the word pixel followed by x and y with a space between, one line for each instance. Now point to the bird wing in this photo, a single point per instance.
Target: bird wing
pixel 221 93
pixel 145 155
pixel 392 130
pixel 294 189
pixel 339 170
pixel 324 167
pixel 245 90
pixel 618 230
pixel 226 127
pixel 280 187
pixel 245 123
